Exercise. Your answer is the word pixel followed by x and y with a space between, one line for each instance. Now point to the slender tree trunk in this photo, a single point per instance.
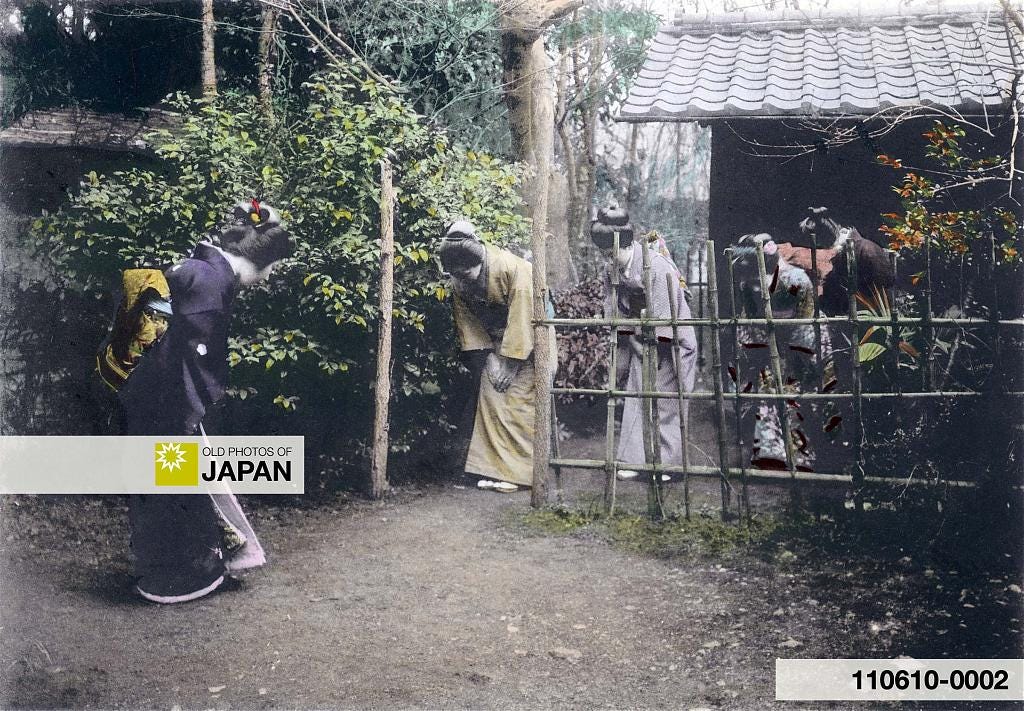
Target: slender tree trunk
pixel 586 91
pixel 632 168
pixel 266 59
pixel 382 393
pixel 530 101
pixel 209 63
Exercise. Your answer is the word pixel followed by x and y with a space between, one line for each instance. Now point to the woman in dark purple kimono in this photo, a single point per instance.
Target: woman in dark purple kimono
pixel 178 541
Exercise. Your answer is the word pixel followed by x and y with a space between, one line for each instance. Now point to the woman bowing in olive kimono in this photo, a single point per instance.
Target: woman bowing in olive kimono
pixel 493 312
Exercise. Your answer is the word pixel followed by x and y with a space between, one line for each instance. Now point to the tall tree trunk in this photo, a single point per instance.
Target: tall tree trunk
pixel 266 59
pixel 209 63
pixel 530 101
pixel 382 390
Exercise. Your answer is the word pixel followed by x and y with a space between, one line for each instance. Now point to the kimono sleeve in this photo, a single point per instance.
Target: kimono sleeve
pixel 516 286
pixel 471 333
pixel 663 273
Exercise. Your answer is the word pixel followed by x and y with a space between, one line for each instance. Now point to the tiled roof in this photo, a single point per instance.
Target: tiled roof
pixel 801 64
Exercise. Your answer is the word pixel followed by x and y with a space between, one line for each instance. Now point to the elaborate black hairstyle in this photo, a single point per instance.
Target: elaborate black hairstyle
pixel 461 248
pixel 256 233
pixel 609 221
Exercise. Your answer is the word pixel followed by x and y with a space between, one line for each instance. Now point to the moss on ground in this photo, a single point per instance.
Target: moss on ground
pixel 675 535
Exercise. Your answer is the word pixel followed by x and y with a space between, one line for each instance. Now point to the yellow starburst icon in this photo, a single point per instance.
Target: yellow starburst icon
pixel 176 463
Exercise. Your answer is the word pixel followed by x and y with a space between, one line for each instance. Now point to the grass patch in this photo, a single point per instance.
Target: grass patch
pixel 701 534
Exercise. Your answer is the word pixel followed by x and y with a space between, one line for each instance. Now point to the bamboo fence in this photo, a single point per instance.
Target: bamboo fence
pixel 708 317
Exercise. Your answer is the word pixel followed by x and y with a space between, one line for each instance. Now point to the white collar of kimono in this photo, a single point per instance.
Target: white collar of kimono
pixel 246 272
pixel 630 260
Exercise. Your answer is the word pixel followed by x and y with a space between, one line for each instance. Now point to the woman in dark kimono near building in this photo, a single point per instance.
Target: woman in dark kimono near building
pixel 806 358
pixel 178 541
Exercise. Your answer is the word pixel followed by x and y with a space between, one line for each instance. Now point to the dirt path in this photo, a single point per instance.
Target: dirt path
pixel 430 600
pixel 415 603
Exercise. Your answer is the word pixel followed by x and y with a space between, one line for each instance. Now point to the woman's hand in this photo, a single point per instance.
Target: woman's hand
pixel 501 371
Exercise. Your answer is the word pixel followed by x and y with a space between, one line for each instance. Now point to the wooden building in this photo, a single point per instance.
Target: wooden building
pixel 802 103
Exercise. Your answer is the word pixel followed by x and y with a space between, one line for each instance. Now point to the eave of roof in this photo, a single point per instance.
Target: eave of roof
pixel 81 128
pixel 827 65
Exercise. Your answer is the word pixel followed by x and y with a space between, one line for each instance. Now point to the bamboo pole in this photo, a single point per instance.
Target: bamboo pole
pixel 702 295
pixel 716 370
pixel 650 409
pixel 710 395
pixel 867 320
pixel 776 365
pixel 737 401
pixel 858 413
pixel 609 445
pixel 815 280
pixel 684 415
pixel 382 394
pixel 894 324
pixel 556 449
pixel 929 331
pixel 997 345
pixel 768 475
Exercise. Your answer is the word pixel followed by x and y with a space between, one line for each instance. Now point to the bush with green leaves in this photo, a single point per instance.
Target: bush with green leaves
pixel 306 340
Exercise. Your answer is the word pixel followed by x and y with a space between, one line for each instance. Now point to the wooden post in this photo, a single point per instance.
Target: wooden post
pixel 542 366
pixel 776 361
pixel 858 410
pixel 609 443
pixel 716 370
pixel 684 408
pixel 382 394
pixel 737 406
pixel 650 408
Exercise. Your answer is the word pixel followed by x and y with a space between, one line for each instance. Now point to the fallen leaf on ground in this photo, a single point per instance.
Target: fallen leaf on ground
pixel 571 655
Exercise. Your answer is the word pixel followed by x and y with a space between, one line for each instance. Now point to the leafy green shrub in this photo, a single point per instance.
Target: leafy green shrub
pixel 583 353
pixel 304 342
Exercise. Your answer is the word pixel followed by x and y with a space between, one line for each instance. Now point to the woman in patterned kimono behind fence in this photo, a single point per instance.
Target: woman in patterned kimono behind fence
pixel 792 296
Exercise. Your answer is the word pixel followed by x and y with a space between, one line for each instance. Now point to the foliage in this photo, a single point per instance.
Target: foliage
pixel 582 352
pixel 959 241
pixel 305 341
pixel 877 339
pixel 922 196
pixel 125 56
pixel 119 59
pixel 623 31
pixel 446 54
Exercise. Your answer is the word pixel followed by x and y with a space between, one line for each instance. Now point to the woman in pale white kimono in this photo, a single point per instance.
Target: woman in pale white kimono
pixel 493 312
pixel 632 297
